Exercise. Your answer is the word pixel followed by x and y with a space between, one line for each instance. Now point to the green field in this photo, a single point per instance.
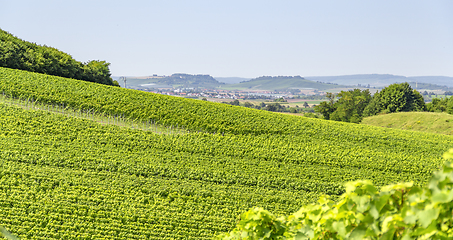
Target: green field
pixel 300 103
pixel 441 123
pixel 66 177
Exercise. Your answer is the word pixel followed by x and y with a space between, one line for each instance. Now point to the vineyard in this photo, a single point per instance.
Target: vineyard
pixel 94 116
pixel 67 177
pixel 137 105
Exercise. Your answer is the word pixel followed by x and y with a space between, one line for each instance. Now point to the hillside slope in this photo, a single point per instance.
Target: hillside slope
pixel 231 80
pixel 192 114
pixel 441 123
pixel 69 178
pixel 109 182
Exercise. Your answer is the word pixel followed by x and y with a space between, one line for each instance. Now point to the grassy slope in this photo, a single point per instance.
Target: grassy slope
pixel 183 185
pixel 441 123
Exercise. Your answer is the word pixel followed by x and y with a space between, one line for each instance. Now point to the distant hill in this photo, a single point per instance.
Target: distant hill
pixel 177 80
pixel 321 83
pixel 438 80
pixel 231 80
pixel 429 86
pixel 281 83
pixel 188 80
pixel 382 80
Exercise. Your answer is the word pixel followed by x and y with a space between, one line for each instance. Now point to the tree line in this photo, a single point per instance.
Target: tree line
pixel 441 105
pixel 19 54
pixel 353 105
pixel 273 107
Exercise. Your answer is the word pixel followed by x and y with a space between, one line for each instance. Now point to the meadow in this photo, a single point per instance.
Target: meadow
pixel 432 122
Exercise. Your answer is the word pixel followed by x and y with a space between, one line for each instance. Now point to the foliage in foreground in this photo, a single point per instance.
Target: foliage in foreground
pixel 399 211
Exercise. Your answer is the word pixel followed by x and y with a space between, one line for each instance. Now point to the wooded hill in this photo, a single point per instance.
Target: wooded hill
pixel 19 54
pixel 177 80
pixel 281 83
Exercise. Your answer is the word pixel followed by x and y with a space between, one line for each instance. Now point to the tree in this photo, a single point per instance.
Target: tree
pixel 350 105
pixel 248 105
pixel 326 108
pixel 280 100
pixel 235 102
pixel 348 108
pixel 449 107
pixel 97 71
pixel 18 54
pixel 274 107
pixel 306 105
pixel 438 105
pixel 398 97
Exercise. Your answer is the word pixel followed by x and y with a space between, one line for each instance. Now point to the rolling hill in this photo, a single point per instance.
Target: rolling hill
pixel 441 123
pixel 177 80
pixel 269 83
pixel 64 177
pixel 231 80
pixel 280 83
pixel 383 80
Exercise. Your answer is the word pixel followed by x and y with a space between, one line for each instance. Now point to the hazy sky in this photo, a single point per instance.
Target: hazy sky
pixel 243 38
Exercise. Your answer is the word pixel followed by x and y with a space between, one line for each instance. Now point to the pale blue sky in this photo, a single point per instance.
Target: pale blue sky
pixel 244 38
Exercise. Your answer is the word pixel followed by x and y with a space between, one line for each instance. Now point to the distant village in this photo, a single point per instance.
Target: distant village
pixel 234 94
pixel 205 86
